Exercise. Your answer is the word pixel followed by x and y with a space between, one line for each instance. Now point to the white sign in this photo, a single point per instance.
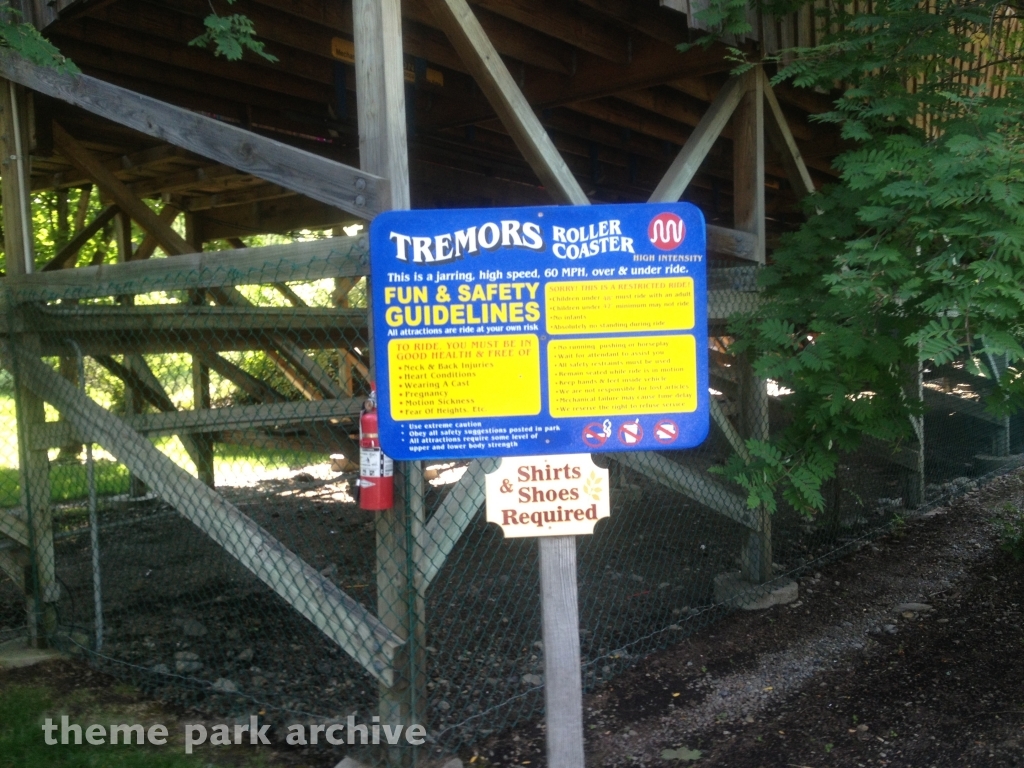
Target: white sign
pixel 547 495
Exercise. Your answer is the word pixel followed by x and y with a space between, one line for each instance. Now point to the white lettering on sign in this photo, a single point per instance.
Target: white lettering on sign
pixel 547 495
pixel 582 242
pixel 438 249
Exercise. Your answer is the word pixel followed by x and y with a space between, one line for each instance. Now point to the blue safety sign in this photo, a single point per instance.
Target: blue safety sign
pixel 531 331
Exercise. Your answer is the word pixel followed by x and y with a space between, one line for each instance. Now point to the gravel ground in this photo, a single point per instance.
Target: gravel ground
pixel 906 653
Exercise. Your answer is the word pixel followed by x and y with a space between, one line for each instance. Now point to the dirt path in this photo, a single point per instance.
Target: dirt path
pixel 853 674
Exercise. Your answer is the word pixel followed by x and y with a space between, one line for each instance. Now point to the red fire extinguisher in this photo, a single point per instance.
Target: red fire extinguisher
pixel 376 470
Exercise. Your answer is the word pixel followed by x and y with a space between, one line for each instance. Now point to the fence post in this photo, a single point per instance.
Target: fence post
pixel 383 150
pixel 133 402
pixel 200 376
pixel 749 216
pixel 33 463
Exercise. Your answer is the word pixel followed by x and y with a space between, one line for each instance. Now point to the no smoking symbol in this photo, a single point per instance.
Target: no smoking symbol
pixel 666 431
pixel 631 433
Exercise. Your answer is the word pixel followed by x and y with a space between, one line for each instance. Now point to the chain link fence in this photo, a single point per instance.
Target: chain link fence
pixel 186 482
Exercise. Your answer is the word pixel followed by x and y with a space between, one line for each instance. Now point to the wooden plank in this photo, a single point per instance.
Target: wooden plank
pixel 14 565
pixel 748 160
pixel 68 254
pixel 782 137
pixel 125 199
pixel 733 436
pixel 560 622
pixel 183 318
pixel 691 483
pixel 319 178
pixel 732 243
pixel 338 616
pixel 685 166
pixel 507 99
pixel 451 519
pixel 149 243
pixel 255 388
pixel 312 260
pixel 243 416
pixel 13 526
pixel 283 350
pixel 15 144
pixel 322 441
pixel 383 149
pixel 205 469
pixel 756 555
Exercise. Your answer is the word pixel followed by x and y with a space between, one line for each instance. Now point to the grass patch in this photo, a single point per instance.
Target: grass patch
pixel 22 711
pixel 233 464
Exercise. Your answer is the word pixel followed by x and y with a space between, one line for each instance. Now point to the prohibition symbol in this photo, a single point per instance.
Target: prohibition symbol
pixel 631 433
pixel 593 435
pixel 666 431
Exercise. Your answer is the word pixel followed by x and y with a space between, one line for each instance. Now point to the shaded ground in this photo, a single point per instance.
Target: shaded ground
pixel 850 675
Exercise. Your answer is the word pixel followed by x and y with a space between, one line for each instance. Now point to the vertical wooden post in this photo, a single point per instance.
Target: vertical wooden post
pixel 383 150
pixel 33 464
pixel 200 375
pixel 563 683
pixel 749 216
pixel 133 401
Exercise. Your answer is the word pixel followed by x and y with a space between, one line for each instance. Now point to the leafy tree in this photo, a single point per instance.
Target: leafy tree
pixel 915 255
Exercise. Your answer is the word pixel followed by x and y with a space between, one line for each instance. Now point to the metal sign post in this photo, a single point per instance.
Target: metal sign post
pixel 563 683
pixel 554 498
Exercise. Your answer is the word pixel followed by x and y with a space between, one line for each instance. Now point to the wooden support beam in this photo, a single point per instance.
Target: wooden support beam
pixel 14 563
pixel 137 375
pixel 220 419
pixel 730 432
pixel 149 243
pixel 313 260
pixel 732 243
pixel 255 388
pixel 515 112
pixel 153 319
pixel 33 465
pixel 285 351
pixel 690 157
pixel 749 216
pixel 317 177
pixel 383 149
pixel 451 519
pixel 13 526
pixel 782 137
pixel 68 254
pixel 125 199
pixel 748 160
pixel 342 619
pixel 691 483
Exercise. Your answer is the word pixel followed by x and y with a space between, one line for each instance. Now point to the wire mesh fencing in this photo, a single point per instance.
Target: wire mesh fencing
pixel 178 491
